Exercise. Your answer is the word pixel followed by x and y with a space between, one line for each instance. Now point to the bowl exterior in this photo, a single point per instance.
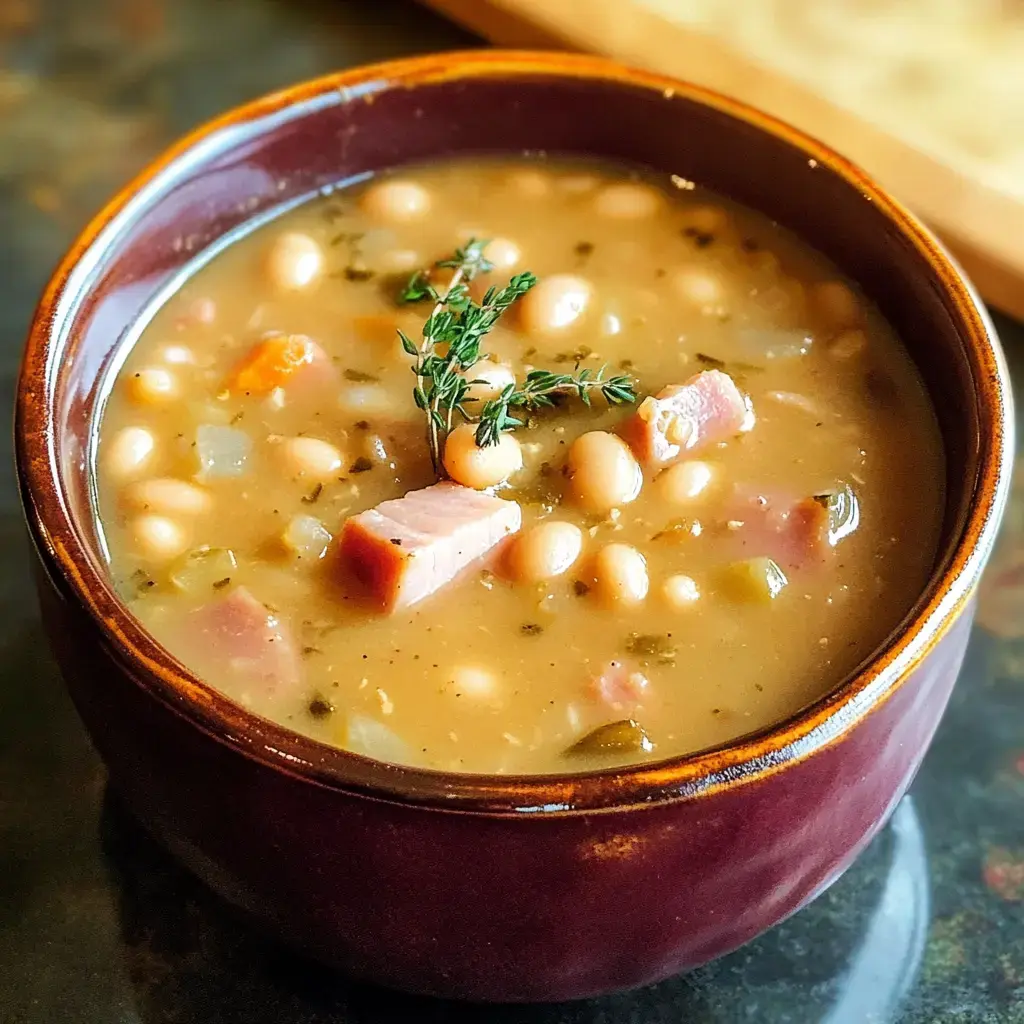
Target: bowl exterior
pixel 537 890
pixel 500 907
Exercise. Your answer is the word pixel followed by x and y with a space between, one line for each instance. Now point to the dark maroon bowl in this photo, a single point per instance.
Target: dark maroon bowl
pixel 533 888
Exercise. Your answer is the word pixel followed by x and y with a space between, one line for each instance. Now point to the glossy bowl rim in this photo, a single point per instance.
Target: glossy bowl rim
pixel 705 772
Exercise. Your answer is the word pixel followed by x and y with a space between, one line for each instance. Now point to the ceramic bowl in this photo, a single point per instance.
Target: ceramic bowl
pixel 497 888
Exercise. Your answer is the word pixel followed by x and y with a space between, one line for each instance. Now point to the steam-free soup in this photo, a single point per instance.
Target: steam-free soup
pixel 625 472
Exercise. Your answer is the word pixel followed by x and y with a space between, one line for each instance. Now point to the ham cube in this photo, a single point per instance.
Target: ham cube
pixel 618 686
pixel 795 533
pixel 406 549
pixel 236 637
pixel 684 417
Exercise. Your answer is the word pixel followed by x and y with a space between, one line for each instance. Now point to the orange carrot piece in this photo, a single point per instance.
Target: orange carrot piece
pixel 271 362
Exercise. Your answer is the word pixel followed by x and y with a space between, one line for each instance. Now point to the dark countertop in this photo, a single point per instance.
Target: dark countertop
pixel 97 924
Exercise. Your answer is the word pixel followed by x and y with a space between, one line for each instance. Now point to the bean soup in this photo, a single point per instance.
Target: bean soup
pixel 519 466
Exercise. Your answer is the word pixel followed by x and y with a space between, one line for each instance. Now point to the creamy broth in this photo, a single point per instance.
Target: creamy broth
pixel 224 499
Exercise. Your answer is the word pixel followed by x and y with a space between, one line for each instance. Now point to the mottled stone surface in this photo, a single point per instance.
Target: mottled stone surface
pixel 98 925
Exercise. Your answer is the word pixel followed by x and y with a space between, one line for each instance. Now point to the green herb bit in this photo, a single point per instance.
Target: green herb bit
pixel 714 363
pixel 459 324
pixel 652 646
pixel 356 273
pixel 711 362
pixel 577 355
pixel 540 390
pixel 360 377
pixel 624 737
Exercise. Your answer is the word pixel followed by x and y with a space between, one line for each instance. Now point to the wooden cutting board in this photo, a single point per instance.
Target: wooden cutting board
pixel 977 209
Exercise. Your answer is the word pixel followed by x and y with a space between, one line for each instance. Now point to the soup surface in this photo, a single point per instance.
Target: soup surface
pixel 746 507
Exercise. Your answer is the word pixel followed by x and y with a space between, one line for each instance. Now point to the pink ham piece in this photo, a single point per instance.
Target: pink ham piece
pixel 237 636
pixel 795 533
pixel 405 549
pixel 618 686
pixel 684 417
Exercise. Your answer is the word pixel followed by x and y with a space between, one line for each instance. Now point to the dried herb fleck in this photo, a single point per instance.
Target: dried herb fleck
pixel 652 647
pixel 360 376
pixel 580 588
pixel 320 707
pixel 531 629
pixel 314 495
pixel 701 239
pixel 577 355
pixel 221 583
pixel 355 273
pixel 583 249
pixel 711 362
pixel 361 465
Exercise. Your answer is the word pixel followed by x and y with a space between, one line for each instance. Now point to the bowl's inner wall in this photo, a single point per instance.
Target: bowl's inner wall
pixel 255 166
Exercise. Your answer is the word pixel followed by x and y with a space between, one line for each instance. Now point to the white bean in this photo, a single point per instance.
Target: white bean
pixel 494 377
pixel 477 467
pixel 167 496
pixel 128 452
pixel 503 253
pixel 152 385
pixel 682 483
pixel 577 184
pixel 603 472
pixel 556 303
pixel 366 400
pixel 547 550
pixel 620 575
pixel 158 538
pixel 202 311
pixel 848 344
pixel 627 200
pixel 310 457
pixel 529 183
pixel 680 592
pixel 177 355
pixel 837 304
pixel 294 262
pixel 699 287
pixel 398 261
pixel 397 201
pixel 707 219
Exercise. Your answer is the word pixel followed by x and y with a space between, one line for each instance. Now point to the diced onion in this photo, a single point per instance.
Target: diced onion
pixel 222 451
pixel 307 537
pixel 203 569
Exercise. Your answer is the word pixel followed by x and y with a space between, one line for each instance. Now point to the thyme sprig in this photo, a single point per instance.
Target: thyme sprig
pixel 451 344
pixel 539 391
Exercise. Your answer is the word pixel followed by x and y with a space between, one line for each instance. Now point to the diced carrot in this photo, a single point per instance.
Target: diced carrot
pixel 272 362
